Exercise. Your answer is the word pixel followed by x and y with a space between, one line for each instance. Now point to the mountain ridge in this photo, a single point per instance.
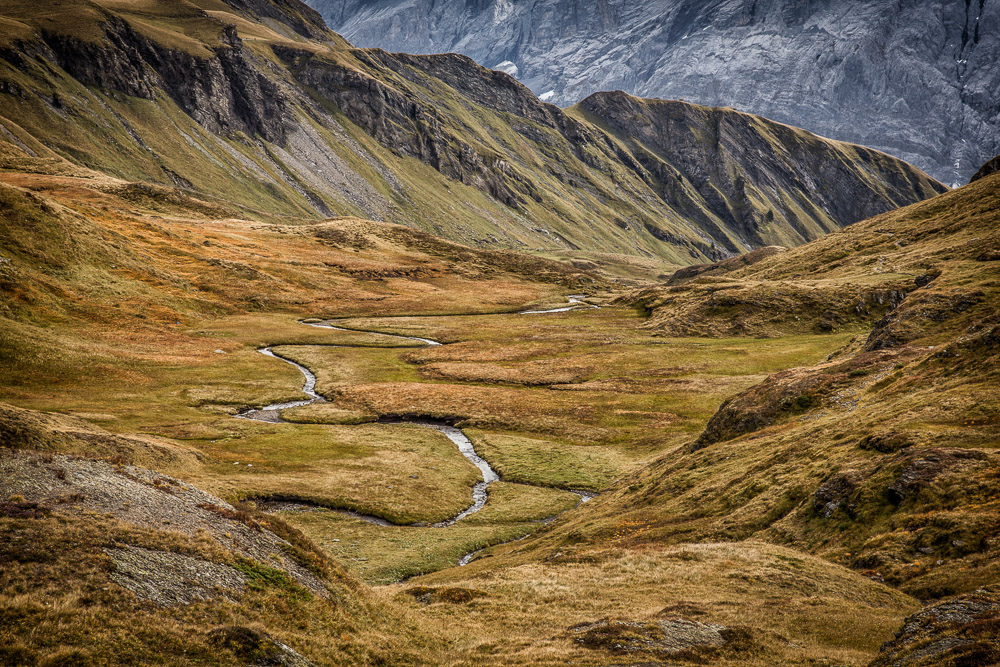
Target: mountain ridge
pixel 264 113
pixel 913 78
pixel 781 457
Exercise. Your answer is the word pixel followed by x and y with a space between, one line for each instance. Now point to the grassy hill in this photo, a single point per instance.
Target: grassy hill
pixel 881 458
pixel 754 450
pixel 793 451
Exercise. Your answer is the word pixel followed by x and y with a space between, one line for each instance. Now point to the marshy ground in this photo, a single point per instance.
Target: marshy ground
pixel 784 483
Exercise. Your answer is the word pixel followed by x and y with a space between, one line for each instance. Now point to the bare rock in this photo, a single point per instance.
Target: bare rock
pixel 256 648
pixel 667 636
pixel 990 167
pixel 919 312
pixel 170 579
pixel 225 93
pixel 724 266
pixel 835 494
pixel 146 498
pixel 845 70
pixel 887 442
pixel 962 631
pixel 921 467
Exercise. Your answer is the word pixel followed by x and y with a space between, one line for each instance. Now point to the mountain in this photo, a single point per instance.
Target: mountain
pixel 259 106
pixel 888 409
pixel 880 456
pixel 242 425
pixel 913 78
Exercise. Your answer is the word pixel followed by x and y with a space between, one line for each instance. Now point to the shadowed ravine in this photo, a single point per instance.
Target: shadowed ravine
pixel 272 414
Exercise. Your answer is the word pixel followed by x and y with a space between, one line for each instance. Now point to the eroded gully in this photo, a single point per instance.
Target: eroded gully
pixel 272 414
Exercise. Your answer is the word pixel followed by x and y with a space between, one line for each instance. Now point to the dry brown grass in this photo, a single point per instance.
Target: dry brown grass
pixel 800 608
pixel 734 532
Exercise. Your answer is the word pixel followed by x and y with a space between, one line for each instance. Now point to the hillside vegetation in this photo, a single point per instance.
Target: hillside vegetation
pixel 259 105
pixel 882 458
pixel 835 460
pixel 783 457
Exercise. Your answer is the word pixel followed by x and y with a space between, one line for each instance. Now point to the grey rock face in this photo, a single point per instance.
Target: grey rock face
pixel 915 78
pixel 224 93
pixel 957 631
pixel 739 163
pixel 991 167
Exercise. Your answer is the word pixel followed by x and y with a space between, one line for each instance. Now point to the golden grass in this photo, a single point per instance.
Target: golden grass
pixel 121 318
pixel 378 554
pixel 799 608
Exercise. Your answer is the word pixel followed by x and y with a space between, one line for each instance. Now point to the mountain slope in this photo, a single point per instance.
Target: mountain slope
pixel 109 563
pixel 887 451
pixel 257 105
pixel 770 183
pixel 914 79
pixel 881 458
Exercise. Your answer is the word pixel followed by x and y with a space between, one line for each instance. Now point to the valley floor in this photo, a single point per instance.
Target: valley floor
pixel 743 509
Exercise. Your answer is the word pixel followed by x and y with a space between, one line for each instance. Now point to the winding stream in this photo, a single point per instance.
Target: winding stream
pixel 272 414
pixel 576 303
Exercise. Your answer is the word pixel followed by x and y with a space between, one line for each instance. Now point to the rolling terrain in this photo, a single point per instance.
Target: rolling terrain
pixel 243 424
pixel 835 461
pixel 880 458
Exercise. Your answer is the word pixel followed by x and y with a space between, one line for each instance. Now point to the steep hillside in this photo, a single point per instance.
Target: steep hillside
pixel 257 105
pixel 906 406
pixel 769 183
pixel 881 458
pixel 914 79
pixel 108 563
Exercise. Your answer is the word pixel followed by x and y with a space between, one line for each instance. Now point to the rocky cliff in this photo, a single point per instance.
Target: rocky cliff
pixel 767 182
pixel 259 105
pixel 915 79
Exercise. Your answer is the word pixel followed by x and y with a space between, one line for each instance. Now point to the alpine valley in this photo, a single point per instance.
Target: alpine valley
pixel 321 355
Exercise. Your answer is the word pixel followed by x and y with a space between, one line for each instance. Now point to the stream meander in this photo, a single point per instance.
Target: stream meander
pixel 272 414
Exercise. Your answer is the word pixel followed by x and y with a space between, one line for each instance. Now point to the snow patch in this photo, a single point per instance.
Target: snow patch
pixel 508 67
pixel 545 97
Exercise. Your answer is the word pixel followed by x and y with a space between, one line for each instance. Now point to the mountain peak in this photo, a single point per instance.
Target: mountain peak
pixel 844 70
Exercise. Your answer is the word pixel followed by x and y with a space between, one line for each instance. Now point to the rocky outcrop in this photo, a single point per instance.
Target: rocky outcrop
pixel 681 276
pixel 663 637
pixel 914 79
pixel 292 13
pixel 115 64
pixel 836 494
pixel 961 631
pixel 255 648
pixel 142 497
pixel 782 395
pixel 990 167
pixel 225 93
pixel 911 317
pixel 406 124
pixel 754 174
pixel 920 467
